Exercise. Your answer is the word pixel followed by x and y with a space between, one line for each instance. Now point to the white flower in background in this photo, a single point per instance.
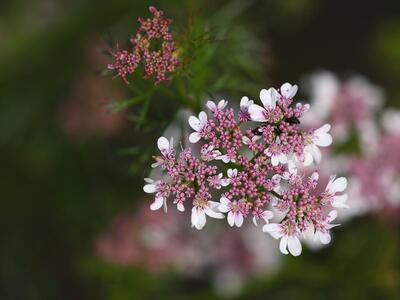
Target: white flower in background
pixel 319 138
pixel 200 209
pixel 391 121
pixel 198 125
pixel 266 215
pixel 153 187
pixel 266 113
pixel 336 185
pixel 216 107
pixel 288 91
pixel 288 235
pixel 235 216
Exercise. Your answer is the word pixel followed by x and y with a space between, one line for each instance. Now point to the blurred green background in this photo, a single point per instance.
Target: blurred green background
pixel 65 173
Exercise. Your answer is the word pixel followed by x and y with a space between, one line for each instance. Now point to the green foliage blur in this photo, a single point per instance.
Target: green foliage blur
pixel 60 185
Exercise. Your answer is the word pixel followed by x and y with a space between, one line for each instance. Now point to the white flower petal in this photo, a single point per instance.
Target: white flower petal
pixel 294 245
pixel 203 118
pixel 316 153
pixel 158 202
pixel 194 123
pixel 257 113
pixel 283 244
pixel 268 98
pixel 273 229
pixel 213 214
pixel 288 91
pixel 163 144
pixel 339 201
pixel 324 237
pixel 238 219
pixel 194 137
pixel 338 185
pixel 150 188
pixel 231 219
pixel 180 207
pixel 323 140
pixel 211 105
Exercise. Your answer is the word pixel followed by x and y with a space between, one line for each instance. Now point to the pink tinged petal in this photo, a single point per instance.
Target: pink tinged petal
pixel 231 219
pixel 194 123
pixel 316 154
pixel 324 237
pixel 158 202
pixel 194 137
pixel 257 113
pixel 294 246
pixel 223 208
pixel 222 104
pixel 338 185
pixel 288 91
pixel 339 201
pixel 180 207
pixel 225 201
pixel 211 105
pixel 273 229
pixel 203 118
pixel 283 244
pixel 238 219
pixel 150 188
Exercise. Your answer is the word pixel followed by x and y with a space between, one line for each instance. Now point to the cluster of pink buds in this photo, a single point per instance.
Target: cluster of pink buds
pixel 255 164
pixel 154 45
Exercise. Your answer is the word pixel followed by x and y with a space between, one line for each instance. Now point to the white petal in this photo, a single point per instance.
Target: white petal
pixel 224 208
pixel 194 123
pixel 332 215
pixel 314 176
pixel 282 158
pixel 283 245
pixel 339 201
pixel 149 180
pixel 323 129
pixel 150 188
pixel 211 105
pixel 256 113
pixel 244 102
pixel 324 237
pixel 225 201
pixel 338 185
pixel 275 160
pixel 213 214
pixel 231 219
pixel 316 153
pixel 180 207
pixel 238 219
pixel 194 137
pixel 222 104
pixel 194 217
pixel 323 140
pixel 202 118
pixel 267 214
pixel 294 246
pixel 158 202
pixel 163 144
pixel 201 219
pixel 288 91
pixel 268 98
pixel 273 229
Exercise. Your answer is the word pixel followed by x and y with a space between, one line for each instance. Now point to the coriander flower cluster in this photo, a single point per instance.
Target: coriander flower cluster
pixel 254 163
pixel 154 45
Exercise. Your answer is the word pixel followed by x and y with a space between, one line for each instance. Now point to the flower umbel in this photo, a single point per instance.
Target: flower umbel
pixel 253 171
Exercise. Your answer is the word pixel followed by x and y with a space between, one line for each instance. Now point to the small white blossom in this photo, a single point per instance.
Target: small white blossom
pixel 266 216
pixel 323 234
pixel 336 185
pixel 288 235
pixel 200 209
pixel 153 187
pixel 268 98
pixel 235 216
pixel 319 138
pixel 198 125
pixel 288 91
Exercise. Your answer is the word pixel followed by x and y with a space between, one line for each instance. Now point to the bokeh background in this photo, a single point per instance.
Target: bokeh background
pixel 72 205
